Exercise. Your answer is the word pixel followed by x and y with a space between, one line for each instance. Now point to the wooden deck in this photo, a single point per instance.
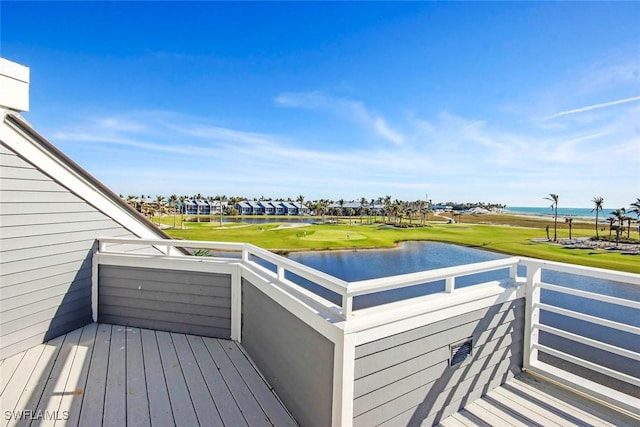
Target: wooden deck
pixel 115 375
pixel 527 401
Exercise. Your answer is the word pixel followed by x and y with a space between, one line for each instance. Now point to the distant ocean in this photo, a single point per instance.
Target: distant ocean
pixel 562 212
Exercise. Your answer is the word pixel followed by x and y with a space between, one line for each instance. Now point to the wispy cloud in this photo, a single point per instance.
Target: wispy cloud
pixel 347 108
pixel 446 154
pixel 594 107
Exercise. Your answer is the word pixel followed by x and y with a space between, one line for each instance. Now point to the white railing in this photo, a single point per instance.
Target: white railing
pixel 533 327
pixel 533 306
pixel 346 290
pixel 448 274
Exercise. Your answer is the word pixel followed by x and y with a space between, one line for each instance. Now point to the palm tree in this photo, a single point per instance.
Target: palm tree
pixel 221 199
pixel 143 204
pixel 211 199
pixel 321 208
pixel 341 204
pixel 372 210
pixel 173 199
pixel 160 201
pixel 198 198
pixel 410 211
pixel 387 207
pixel 182 199
pixel 363 207
pixel 611 220
pixel 131 199
pixel 301 200
pixel 398 210
pixel 570 222
pixel 635 209
pixel 619 216
pixel 597 201
pixel 554 205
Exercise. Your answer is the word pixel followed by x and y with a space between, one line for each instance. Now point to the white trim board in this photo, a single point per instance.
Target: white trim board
pixel 18 137
pixel 440 307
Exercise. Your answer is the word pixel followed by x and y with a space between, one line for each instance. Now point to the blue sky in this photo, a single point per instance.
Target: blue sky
pixel 495 102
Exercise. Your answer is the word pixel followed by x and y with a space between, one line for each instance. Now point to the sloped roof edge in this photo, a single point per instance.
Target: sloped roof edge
pixel 68 173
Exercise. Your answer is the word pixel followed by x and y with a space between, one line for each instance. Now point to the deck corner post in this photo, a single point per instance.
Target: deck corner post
pixel 236 304
pixel 343 380
pixel 95 260
pixel 532 315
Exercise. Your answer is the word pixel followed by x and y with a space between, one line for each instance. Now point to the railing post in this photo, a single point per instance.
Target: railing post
pixel 280 271
pixel 343 381
pixel 236 304
pixel 513 272
pixel 449 284
pixel 532 315
pixel 245 254
pixel 94 286
pixel 347 305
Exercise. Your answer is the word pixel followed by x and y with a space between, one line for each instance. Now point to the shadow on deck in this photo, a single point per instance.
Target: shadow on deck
pixel 132 376
pixel 526 401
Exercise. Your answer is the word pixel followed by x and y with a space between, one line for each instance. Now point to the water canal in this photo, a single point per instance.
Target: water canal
pixel 418 256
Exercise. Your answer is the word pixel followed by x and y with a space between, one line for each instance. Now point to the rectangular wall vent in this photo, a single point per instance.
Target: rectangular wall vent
pixel 460 351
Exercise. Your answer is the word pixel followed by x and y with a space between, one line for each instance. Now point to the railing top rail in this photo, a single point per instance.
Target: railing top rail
pixel 600 273
pixel 393 282
pixel 326 280
pixel 591 295
pixel 174 243
pixel 352 289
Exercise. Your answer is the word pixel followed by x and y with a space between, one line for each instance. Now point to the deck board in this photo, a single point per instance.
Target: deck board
pixel 131 376
pixel 17 381
pixel 203 403
pixel 32 391
pixel 115 400
pixel 274 410
pixel 229 411
pixel 93 400
pixel 136 386
pixel 183 410
pixel 55 389
pixel 494 415
pixel 527 401
pixel 160 413
pixel 247 403
pixel 8 368
pixel 77 380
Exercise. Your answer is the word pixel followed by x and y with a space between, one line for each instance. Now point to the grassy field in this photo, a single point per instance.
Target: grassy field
pixel 513 235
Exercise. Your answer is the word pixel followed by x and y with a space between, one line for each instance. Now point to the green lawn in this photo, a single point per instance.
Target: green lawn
pixel 508 239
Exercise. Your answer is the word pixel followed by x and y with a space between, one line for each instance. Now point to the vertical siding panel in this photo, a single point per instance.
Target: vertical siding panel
pixel 407 378
pixel 47 238
pixel 295 359
pixel 170 300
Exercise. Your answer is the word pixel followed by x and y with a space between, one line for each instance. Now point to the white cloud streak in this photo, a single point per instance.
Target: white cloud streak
pixel 447 155
pixel 594 107
pixel 346 108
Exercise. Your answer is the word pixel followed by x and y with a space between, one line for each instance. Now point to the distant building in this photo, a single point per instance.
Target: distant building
pixel 202 207
pixel 268 207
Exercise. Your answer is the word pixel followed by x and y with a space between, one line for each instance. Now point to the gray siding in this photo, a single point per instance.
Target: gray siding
pixel 166 300
pixel 295 359
pixel 47 239
pixel 405 379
